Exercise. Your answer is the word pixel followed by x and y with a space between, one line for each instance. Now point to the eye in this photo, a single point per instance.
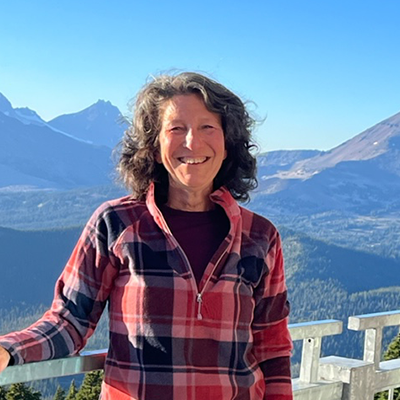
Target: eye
pixel 176 129
pixel 206 126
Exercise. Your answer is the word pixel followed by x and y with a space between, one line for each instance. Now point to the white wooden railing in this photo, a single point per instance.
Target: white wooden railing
pixel 327 378
pixel 363 378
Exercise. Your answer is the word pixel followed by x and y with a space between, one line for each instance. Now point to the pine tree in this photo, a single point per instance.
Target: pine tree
pixel 3 393
pixel 60 394
pixel 72 392
pixel 392 352
pixel 91 386
pixel 19 391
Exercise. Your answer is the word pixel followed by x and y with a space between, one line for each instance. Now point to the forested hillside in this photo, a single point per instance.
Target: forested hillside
pixel 31 263
pixel 41 209
pixel 330 282
pixel 324 281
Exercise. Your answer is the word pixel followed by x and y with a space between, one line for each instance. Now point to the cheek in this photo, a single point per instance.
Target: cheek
pixel 164 147
pixel 222 148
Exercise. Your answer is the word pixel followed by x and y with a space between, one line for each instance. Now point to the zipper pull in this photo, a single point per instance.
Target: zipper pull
pixel 199 301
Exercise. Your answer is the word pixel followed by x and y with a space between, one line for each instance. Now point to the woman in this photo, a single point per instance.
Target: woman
pixel 194 283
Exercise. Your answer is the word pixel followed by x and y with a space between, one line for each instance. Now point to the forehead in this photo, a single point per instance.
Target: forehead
pixel 182 106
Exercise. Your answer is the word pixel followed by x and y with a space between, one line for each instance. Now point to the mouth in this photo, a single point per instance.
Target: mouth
pixel 193 160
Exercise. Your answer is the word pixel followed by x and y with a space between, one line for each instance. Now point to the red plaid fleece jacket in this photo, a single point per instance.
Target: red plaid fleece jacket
pixel 170 339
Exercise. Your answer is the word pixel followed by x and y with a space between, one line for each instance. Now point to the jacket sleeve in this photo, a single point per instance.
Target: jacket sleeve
pixel 272 342
pixel 81 293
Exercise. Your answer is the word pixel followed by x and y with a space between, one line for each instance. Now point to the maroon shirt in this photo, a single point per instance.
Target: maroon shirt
pixel 199 233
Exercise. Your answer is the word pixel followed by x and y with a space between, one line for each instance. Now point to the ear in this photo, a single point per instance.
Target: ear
pixel 225 154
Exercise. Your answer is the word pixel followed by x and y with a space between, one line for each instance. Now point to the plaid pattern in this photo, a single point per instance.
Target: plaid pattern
pixel 170 339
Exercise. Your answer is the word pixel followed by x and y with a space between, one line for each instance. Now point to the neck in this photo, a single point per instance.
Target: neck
pixel 188 200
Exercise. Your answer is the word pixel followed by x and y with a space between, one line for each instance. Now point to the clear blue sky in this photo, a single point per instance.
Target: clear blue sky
pixel 321 71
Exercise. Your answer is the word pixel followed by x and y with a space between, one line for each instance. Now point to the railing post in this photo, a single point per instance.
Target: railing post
pixel 310 360
pixel 363 378
pixel 373 346
pixel 309 385
pixel 361 384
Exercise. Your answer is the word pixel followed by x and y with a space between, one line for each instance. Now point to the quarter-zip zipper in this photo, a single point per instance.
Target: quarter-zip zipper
pixel 199 297
pixel 199 301
pixel 199 294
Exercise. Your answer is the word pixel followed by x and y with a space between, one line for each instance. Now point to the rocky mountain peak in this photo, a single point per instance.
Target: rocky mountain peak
pixel 5 105
pixel 373 142
pixel 102 107
pixel 97 124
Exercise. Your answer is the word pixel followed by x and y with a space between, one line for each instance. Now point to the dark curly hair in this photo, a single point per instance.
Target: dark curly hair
pixel 137 164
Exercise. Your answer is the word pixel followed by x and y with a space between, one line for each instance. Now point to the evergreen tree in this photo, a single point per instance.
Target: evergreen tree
pixel 19 391
pixel 392 352
pixel 60 394
pixel 91 386
pixel 3 393
pixel 72 392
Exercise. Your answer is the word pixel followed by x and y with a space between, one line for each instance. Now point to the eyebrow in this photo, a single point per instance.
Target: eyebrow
pixel 203 119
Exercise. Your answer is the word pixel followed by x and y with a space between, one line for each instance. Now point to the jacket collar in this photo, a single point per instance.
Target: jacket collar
pixel 221 196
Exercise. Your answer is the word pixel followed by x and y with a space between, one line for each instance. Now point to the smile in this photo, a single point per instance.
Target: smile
pixel 193 161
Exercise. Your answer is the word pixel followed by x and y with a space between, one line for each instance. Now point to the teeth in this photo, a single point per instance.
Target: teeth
pixel 187 160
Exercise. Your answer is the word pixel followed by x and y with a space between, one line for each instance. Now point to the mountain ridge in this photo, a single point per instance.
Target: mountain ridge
pixel 369 144
pixel 101 123
pixel 40 154
pixel 344 194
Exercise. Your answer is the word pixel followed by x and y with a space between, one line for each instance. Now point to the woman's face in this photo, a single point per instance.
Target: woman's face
pixel 192 144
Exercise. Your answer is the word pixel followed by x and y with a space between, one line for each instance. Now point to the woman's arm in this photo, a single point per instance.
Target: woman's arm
pixel 80 296
pixel 4 358
pixel 272 342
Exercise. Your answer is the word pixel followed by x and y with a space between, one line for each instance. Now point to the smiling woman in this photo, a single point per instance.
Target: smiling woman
pixel 192 149
pixel 194 283
pixel 140 146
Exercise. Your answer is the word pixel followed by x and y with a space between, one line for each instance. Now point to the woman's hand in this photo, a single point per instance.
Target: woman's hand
pixel 4 358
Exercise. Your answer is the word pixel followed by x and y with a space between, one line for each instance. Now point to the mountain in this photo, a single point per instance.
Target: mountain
pixel 28 116
pixel 38 156
pixel 51 209
pixel 331 282
pixel 24 114
pixel 349 195
pixel 360 176
pixel 380 143
pixel 282 160
pixel 31 263
pixel 5 106
pixel 101 124
pixel 308 261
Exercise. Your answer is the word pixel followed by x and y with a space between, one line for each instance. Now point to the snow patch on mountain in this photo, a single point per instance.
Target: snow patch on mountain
pixel 376 141
pixel 28 116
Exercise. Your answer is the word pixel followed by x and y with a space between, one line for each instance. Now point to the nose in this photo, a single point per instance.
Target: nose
pixel 192 139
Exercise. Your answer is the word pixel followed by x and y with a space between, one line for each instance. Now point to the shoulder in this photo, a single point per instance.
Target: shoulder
pixel 112 217
pixel 122 207
pixel 265 236
pixel 253 226
pixel 256 225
